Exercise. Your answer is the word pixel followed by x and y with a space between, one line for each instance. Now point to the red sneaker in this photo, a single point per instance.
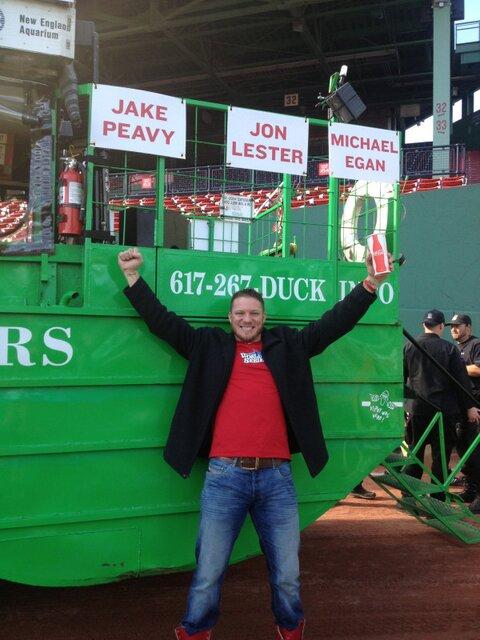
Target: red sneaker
pixel 181 634
pixel 295 634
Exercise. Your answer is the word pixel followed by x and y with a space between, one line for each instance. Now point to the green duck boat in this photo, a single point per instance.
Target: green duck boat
pixel 88 393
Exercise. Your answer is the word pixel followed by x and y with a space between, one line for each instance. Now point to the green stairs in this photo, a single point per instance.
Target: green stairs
pixel 451 516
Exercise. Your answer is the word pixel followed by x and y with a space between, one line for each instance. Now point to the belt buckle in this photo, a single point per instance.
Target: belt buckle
pixel 255 467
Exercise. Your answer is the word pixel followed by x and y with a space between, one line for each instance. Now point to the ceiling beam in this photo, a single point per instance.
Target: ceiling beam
pixel 198 62
pixel 230 13
pixel 362 7
pixel 274 65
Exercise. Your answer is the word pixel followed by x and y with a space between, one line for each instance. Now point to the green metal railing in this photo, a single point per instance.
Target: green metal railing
pixel 431 502
pixel 278 230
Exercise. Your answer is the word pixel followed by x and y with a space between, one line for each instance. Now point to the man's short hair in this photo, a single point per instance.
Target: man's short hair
pixel 248 293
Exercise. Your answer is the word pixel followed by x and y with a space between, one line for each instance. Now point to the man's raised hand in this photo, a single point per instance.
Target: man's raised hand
pixel 130 262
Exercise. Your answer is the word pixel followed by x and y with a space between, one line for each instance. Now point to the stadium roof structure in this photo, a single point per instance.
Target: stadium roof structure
pixel 252 53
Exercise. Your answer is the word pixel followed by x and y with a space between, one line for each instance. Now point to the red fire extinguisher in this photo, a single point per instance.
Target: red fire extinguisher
pixel 70 199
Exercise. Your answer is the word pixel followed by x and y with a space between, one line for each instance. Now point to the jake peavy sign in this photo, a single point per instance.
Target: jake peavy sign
pixel 363 153
pixel 267 141
pixel 141 121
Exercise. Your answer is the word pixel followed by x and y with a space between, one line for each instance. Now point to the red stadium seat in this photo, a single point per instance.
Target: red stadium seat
pixel 453 181
pixel 407 186
pixel 426 184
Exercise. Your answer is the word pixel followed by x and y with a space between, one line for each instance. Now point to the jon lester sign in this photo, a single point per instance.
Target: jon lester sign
pixel 267 141
pixel 363 153
pixel 142 121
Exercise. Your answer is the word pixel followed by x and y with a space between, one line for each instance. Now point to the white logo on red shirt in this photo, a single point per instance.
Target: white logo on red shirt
pixel 252 357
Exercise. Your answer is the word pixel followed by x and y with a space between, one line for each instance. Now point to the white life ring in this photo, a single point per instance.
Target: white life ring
pixel 381 192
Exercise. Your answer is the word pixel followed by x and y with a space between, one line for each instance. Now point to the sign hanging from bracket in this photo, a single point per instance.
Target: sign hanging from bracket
pixel 236 208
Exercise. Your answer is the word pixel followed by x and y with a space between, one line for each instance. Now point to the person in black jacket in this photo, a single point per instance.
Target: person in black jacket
pixel 469 347
pixel 435 392
pixel 247 403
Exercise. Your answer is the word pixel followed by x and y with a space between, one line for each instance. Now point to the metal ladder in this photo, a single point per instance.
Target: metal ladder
pixel 451 516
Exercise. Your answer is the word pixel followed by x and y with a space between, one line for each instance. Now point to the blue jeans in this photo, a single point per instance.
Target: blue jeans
pixel 228 495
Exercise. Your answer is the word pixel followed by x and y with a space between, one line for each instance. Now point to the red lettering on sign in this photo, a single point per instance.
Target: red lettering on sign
pixel 274 152
pixel 267 152
pixel 161 113
pixel 167 135
pixel 261 152
pixel 365 143
pixel 131 109
pixel 248 150
pixel 123 128
pixel 146 134
pixel 108 126
pixel 119 109
pixel 152 133
pixel 297 155
pixel 371 164
pixel 268 130
pixel 356 142
pixel 146 110
pixel 138 133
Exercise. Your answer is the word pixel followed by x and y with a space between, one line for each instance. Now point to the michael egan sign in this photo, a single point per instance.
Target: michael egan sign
pixel 134 120
pixel 267 141
pixel 363 153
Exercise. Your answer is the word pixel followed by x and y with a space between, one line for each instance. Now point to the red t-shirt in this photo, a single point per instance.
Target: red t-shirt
pixel 250 421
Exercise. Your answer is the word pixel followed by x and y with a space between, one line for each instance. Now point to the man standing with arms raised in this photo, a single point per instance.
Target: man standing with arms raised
pixel 247 403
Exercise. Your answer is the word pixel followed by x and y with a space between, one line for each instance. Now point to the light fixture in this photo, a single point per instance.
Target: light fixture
pixel 345 103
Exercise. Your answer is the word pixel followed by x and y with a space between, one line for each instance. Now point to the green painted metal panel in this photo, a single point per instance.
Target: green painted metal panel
pixel 439 237
pixel 115 514
pixel 106 553
pixel 104 282
pixel 88 392
pixel 85 419
pixel 103 350
pixel 201 285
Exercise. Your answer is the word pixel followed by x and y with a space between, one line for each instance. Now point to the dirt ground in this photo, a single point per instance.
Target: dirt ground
pixel 368 571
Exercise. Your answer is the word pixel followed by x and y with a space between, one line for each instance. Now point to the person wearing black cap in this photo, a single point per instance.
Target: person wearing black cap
pixel 436 392
pixel 469 346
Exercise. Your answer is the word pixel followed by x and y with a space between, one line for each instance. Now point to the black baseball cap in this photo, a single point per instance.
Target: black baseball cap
pixel 433 317
pixel 460 318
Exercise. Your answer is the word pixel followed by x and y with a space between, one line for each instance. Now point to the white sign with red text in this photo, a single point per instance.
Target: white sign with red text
pixel 141 121
pixel 363 153
pixel 267 141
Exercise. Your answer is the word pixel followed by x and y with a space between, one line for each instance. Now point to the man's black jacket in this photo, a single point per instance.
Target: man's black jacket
pixel 431 385
pixel 210 352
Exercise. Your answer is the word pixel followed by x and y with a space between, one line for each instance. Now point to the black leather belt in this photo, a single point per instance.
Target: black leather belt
pixel 253 464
